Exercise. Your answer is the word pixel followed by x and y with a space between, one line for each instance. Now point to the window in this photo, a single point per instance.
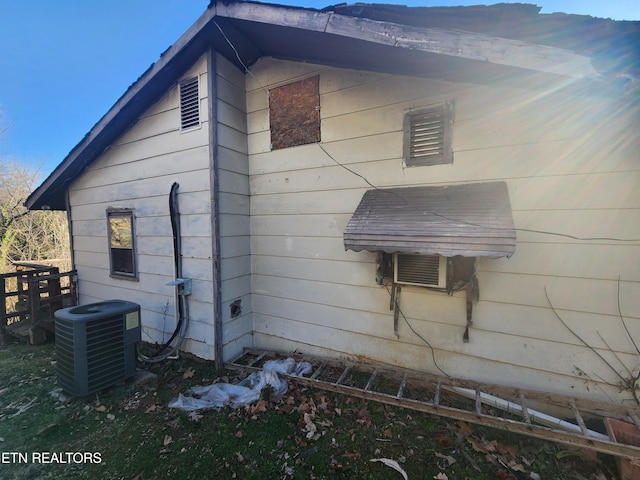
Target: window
pixel 121 243
pixel 189 104
pixel 427 136
pixel 294 113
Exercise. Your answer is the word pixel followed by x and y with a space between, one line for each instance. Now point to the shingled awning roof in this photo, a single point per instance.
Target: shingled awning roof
pixel 471 220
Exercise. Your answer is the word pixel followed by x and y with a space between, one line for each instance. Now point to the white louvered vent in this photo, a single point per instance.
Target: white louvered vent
pixel 189 104
pixel 420 270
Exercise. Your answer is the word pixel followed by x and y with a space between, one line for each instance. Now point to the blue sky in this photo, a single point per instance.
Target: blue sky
pixel 64 63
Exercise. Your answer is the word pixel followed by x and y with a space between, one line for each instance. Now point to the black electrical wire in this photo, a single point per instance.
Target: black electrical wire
pixel 433 353
pixel 174 213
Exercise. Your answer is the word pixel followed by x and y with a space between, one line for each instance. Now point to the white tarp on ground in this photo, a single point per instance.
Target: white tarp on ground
pixel 245 392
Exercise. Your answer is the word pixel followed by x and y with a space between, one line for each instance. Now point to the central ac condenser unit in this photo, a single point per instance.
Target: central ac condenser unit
pixel 96 345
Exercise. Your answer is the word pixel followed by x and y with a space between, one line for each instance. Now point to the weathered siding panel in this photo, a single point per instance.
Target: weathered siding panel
pixel 233 206
pixel 571 165
pixel 137 172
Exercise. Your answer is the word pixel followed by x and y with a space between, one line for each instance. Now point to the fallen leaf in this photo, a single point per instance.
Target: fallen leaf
pixel 151 408
pixel 351 455
pixel 167 440
pixel 363 417
pixel 311 430
pixel 450 460
pixel 491 446
pixel 239 434
pixel 338 467
pixel 517 467
pixel 101 408
pixel 259 407
pixel 507 450
pixel 441 476
pixel 188 373
pixel 475 443
pixel 111 416
pixel 387 433
pixel 482 446
pixel 444 441
pixel 392 464
pixel 464 429
pixel 195 416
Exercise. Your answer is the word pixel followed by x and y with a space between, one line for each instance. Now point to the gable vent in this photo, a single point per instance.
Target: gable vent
pixel 420 270
pixel 428 136
pixel 189 104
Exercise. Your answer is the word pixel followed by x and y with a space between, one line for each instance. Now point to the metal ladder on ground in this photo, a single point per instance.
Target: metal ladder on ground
pixel 490 405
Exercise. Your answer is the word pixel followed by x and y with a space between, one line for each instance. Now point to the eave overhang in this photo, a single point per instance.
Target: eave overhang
pixel 244 32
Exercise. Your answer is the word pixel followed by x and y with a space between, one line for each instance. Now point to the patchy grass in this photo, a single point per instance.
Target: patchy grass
pixel 128 432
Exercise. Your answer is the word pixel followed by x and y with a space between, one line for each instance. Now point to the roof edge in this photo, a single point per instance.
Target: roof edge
pixel 449 42
pixel 459 44
pixel 78 152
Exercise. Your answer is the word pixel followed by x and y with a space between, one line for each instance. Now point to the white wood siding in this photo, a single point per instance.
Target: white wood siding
pixel 572 167
pixel 137 172
pixel 235 244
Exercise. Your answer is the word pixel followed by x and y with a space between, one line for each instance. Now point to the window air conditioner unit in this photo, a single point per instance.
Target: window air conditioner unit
pixel 96 345
pixel 420 270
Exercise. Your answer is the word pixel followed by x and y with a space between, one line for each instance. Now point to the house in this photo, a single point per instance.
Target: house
pixel 452 190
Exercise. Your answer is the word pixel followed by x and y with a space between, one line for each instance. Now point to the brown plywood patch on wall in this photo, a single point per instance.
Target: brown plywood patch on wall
pixel 294 113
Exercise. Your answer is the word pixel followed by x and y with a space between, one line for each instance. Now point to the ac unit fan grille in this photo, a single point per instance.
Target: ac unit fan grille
pixel 105 352
pixel 65 358
pixel 421 270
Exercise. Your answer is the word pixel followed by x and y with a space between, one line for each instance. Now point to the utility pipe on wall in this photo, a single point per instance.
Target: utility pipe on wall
pixel 182 286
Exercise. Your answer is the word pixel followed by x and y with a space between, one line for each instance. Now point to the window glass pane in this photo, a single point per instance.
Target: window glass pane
pixel 122 260
pixel 120 231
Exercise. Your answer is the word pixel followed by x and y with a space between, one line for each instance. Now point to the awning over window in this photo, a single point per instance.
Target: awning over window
pixel 472 220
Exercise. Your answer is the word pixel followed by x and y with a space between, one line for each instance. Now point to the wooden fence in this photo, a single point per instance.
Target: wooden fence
pixel 30 297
